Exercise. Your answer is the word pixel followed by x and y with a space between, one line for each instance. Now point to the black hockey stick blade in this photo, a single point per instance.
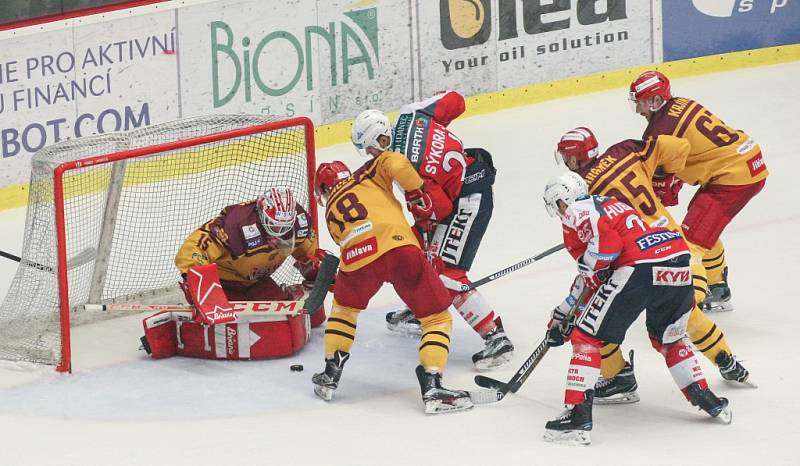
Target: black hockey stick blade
pixel 512 268
pixel 490 383
pixel 325 276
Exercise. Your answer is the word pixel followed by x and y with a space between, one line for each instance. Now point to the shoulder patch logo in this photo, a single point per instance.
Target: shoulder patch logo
pixel 250 231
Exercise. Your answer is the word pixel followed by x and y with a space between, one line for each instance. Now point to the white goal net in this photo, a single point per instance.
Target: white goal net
pixel 117 207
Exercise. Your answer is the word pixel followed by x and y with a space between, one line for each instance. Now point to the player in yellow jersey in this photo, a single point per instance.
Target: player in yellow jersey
pixel 377 246
pixel 725 162
pixel 624 171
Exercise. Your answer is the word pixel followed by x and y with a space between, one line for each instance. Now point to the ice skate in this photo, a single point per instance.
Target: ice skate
pixel 572 427
pixel 498 351
pixel 620 389
pixel 327 381
pixel 718 299
pixel 716 407
pixel 732 370
pixel 403 323
pixel 438 399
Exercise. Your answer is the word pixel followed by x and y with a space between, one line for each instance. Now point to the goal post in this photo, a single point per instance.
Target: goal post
pixel 107 214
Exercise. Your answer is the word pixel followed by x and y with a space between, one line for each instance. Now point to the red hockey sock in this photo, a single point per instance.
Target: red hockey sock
pixel 584 367
pixel 682 364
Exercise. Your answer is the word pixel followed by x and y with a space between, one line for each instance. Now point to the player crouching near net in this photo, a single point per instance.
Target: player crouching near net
pixel 377 246
pixel 628 267
pixel 246 242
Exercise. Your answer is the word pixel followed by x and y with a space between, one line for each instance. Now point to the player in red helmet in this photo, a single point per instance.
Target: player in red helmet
pixel 624 171
pixel 725 162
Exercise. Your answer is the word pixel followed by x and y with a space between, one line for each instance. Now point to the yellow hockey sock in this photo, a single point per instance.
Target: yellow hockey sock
pixel 706 336
pixel 434 346
pixel 714 263
pixel 340 331
pixel 611 360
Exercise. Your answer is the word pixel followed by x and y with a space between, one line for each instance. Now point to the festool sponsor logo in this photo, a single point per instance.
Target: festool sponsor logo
pixel 278 61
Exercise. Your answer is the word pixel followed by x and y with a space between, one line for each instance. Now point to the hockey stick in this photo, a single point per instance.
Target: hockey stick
pixel 324 280
pixel 84 257
pixel 458 286
pixel 500 388
pixel 285 308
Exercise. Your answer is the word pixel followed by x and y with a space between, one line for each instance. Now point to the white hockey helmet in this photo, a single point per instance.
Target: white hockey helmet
pixel 276 209
pixel 367 127
pixel 567 188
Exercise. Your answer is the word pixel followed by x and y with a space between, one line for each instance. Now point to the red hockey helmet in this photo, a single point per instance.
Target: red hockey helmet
pixel 327 176
pixel 576 145
pixel 650 84
pixel 276 209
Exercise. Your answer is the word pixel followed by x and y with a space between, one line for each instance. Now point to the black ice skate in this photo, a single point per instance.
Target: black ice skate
pixel 404 323
pixel 438 399
pixel 498 351
pixel 731 369
pixel 718 299
pixel 573 425
pixel 706 400
pixel 620 389
pixel 326 382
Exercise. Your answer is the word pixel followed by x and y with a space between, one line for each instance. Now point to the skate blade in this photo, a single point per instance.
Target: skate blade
pixel 405 330
pixel 484 397
pixel 618 399
pixel 323 392
pixel 568 437
pixel 747 383
pixel 492 363
pixel 725 416
pixel 439 407
pixel 719 307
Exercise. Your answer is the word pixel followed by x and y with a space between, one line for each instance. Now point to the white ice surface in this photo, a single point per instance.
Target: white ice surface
pixel 120 408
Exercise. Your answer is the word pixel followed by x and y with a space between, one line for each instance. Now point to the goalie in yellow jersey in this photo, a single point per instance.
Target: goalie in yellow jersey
pixel 377 246
pixel 725 162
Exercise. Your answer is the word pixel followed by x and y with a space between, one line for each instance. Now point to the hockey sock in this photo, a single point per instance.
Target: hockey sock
pixel 341 329
pixel 682 364
pixel 699 279
pixel 584 367
pixel 612 361
pixel 706 336
pixel 714 262
pixel 476 311
pixel 434 346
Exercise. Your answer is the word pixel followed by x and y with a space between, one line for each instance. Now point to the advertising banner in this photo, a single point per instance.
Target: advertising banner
pixel 707 27
pixel 479 46
pixel 327 59
pixel 81 81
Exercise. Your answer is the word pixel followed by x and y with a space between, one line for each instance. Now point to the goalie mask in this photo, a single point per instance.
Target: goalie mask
pixel 276 209
pixel 576 147
pixel 567 188
pixel 367 127
pixel 328 175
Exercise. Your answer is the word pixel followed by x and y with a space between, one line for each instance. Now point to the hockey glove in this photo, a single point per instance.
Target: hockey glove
pixel 667 187
pixel 309 265
pixel 592 278
pixel 558 333
pixel 420 205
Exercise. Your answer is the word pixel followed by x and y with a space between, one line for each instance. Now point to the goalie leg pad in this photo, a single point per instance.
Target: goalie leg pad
pixel 160 333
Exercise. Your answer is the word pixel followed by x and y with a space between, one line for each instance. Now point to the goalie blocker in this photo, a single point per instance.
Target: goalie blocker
pixel 213 330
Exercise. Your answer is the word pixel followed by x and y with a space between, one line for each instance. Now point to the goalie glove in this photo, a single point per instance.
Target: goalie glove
pixel 309 265
pixel 667 187
pixel 420 205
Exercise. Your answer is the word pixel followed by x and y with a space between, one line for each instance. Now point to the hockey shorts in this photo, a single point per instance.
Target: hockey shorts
pixel 663 288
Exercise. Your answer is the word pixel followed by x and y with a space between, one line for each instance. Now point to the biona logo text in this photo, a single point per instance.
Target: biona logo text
pixel 275 62
pixel 725 8
pixel 465 23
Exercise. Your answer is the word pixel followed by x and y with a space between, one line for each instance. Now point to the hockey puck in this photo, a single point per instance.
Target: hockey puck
pixel 296 368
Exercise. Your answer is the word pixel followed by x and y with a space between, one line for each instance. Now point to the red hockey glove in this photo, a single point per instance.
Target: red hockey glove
pixel 421 207
pixel 592 278
pixel 667 188
pixel 309 265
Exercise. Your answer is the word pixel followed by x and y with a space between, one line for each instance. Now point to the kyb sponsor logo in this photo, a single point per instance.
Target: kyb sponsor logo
pixel 726 8
pixel 276 62
pixel 465 23
pixel 672 276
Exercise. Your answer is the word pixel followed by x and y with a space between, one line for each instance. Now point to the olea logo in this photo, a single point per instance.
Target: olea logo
pixel 275 62
pixel 465 23
pixel 725 8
